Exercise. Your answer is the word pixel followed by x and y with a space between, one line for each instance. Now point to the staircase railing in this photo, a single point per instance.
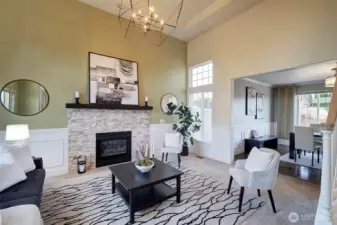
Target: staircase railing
pixel 324 214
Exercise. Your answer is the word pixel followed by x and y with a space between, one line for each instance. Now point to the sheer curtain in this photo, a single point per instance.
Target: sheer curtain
pixel 285 111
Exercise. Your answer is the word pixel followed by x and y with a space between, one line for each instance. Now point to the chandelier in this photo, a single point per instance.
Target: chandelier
pixel 144 16
pixel 330 81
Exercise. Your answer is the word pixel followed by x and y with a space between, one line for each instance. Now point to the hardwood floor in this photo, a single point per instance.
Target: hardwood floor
pixel 302 172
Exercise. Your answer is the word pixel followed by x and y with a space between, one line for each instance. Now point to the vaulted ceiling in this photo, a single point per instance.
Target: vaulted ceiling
pixel 197 16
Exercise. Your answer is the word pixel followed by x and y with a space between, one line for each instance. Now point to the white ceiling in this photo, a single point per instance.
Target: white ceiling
pixel 197 16
pixel 302 75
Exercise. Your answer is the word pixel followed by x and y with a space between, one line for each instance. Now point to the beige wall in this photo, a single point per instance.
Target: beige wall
pixel 239 103
pixel 48 41
pixel 274 35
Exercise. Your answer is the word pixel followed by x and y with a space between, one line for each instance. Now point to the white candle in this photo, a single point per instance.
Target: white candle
pixel 146 99
pixel 152 147
pixel 77 94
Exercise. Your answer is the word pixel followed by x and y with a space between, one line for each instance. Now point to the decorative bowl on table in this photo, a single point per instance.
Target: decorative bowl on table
pixel 144 165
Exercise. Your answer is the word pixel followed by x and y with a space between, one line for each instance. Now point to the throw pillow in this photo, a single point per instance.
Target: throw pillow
pixel 5 156
pixel 11 174
pixel 258 160
pixel 23 157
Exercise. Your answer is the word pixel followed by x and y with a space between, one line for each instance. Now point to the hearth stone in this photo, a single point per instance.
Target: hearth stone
pixel 83 124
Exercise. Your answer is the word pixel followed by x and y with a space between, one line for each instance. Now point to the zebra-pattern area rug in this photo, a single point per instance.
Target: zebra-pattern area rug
pixel 203 201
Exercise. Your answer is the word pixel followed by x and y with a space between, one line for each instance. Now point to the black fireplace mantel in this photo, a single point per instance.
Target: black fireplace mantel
pixel 107 106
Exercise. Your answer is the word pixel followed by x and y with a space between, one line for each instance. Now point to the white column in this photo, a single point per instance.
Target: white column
pixel 323 215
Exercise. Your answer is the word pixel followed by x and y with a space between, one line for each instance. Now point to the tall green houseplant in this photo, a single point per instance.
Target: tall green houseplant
pixel 187 124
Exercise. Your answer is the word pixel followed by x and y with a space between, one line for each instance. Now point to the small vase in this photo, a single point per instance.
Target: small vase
pixel 184 152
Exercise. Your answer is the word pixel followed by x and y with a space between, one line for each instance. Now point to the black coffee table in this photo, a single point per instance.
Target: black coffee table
pixel 142 190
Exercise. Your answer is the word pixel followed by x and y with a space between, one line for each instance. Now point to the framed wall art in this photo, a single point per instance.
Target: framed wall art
pixel 259 106
pixel 250 101
pixel 112 80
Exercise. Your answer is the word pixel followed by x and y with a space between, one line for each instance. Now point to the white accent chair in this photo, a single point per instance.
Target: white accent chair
pixel 264 179
pixel 304 140
pixel 172 144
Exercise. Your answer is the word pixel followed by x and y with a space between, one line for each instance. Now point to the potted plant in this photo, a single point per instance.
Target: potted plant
pixel 187 124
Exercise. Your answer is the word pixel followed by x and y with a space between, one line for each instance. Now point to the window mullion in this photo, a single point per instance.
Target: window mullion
pixel 202 114
pixel 318 105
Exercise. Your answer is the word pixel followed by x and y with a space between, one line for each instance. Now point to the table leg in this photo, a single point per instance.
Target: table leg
pixel 178 189
pixel 131 207
pixel 113 184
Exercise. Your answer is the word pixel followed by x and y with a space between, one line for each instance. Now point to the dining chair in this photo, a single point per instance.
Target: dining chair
pixel 172 144
pixel 304 140
pixel 258 171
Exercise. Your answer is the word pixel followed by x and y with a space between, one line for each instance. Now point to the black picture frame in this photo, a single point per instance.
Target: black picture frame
pixel 250 101
pixel 89 76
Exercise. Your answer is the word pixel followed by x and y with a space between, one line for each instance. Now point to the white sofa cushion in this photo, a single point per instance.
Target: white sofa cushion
pixel 23 215
pixel 258 160
pixel 23 157
pixel 11 174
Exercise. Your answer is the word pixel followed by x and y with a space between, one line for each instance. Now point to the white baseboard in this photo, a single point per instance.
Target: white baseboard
pixel 283 142
pixel 52 146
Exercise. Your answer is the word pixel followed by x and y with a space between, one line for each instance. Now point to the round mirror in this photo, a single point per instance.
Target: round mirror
pixel 24 97
pixel 169 103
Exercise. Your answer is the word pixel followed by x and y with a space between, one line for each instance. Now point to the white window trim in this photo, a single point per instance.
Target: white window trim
pixel 200 89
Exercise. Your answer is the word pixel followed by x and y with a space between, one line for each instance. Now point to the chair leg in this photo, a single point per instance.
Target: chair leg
pixel 299 153
pixel 295 155
pixel 230 184
pixel 318 151
pixel 166 156
pixel 305 152
pixel 242 190
pixel 179 160
pixel 272 200
pixel 258 192
pixel 162 156
pixel 312 158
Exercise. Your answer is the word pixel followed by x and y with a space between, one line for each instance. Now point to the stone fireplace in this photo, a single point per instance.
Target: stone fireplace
pixel 117 133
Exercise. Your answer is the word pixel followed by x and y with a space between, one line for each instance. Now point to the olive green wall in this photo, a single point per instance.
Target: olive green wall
pixel 48 41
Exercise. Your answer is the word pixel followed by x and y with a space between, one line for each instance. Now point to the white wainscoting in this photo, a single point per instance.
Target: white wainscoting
pixel 219 148
pixel 52 146
pixel 241 132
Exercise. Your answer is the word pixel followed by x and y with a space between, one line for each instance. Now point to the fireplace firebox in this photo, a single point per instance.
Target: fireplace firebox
pixel 113 148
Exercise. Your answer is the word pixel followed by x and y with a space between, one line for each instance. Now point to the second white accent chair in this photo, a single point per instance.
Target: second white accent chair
pixel 172 144
pixel 258 171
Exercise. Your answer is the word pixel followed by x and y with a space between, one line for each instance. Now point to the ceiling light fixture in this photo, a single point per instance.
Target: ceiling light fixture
pixel 150 22
pixel 330 81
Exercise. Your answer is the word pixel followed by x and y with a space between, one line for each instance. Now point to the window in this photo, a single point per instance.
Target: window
pixel 313 108
pixel 202 75
pixel 7 99
pixel 200 97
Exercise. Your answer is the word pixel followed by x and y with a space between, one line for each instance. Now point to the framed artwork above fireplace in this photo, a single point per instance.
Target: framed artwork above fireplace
pixel 112 80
